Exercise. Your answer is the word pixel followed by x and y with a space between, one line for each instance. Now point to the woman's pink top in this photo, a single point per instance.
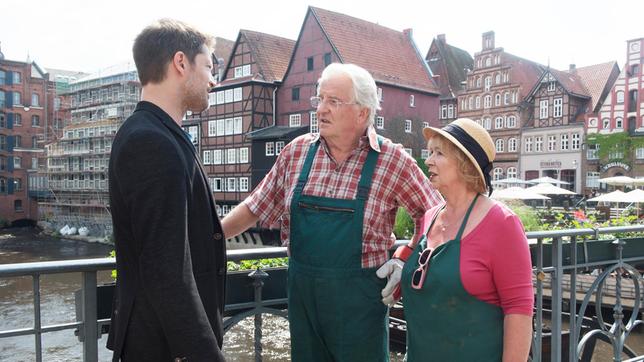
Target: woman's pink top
pixel 495 261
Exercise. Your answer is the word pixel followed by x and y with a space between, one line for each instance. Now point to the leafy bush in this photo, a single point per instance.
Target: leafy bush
pixel 258 263
pixel 404 226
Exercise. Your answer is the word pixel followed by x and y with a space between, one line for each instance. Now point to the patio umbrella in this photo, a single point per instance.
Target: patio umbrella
pixel 549 180
pixel 517 193
pixel 618 181
pixel 510 181
pixel 549 189
pixel 615 196
pixel 635 196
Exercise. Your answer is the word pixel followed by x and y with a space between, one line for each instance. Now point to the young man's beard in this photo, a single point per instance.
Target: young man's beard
pixel 195 100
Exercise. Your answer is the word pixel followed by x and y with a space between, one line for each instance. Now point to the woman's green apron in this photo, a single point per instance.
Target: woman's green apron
pixel 445 322
pixel 335 313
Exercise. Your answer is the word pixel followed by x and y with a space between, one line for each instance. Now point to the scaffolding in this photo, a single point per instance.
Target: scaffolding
pixel 75 192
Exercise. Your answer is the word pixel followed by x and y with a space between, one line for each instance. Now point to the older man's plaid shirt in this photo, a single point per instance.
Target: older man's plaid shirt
pixel 397 181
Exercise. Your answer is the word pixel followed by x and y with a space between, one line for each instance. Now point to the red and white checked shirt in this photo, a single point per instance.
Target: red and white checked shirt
pixel 397 181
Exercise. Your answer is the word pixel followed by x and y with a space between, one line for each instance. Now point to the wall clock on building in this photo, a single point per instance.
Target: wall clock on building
pixel 592 122
pixel 635 46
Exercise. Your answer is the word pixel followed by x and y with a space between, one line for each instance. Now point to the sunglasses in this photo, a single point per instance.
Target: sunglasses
pixel 418 278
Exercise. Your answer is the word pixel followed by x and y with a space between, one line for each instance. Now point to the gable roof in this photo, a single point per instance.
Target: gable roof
pixel 597 79
pixel 271 54
pixel 223 49
pixel 525 72
pixel 389 55
pixel 455 61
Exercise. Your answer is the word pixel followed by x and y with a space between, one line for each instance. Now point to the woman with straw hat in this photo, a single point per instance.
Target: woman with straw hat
pixel 467 284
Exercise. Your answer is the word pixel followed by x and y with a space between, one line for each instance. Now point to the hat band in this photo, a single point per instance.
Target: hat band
pixel 474 148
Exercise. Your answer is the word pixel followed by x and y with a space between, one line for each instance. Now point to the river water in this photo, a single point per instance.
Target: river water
pixel 57 300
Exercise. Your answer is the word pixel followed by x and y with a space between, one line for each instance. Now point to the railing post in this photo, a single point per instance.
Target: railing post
pixel 258 276
pixel 572 336
pixel 618 312
pixel 556 285
pixel 37 320
pixel 536 351
pixel 90 329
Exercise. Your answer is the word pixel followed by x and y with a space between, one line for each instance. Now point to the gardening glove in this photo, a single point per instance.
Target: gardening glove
pixel 392 269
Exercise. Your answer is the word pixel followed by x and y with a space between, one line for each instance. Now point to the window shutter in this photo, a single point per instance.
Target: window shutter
pixel 10 144
pixel 9 120
pixel 8 99
pixel 10 185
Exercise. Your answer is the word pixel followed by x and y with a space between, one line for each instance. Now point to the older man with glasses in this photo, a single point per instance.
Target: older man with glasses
pixel 336 194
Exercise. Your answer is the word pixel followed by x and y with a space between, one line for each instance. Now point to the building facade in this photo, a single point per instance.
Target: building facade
pixel 25 109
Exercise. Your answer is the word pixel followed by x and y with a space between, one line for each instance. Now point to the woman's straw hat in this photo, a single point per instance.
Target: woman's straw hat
pixel 473 140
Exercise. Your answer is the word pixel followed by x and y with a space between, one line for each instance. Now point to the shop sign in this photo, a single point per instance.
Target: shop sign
pixel 615 164
pixel 550 164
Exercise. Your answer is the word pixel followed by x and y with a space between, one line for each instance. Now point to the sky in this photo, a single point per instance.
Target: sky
pixel 89 35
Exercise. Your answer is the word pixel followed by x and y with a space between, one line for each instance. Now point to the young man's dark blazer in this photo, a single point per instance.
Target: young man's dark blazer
pixel 170 251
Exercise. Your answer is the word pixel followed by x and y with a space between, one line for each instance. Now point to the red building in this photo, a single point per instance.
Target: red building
pixel 26 105
pixel 409 96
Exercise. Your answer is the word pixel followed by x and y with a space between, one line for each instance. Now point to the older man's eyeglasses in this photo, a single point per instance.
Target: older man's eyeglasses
pixel 331 102
pixel 418 278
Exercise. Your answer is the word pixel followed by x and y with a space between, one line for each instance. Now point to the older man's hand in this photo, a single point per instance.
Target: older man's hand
pixel 392 270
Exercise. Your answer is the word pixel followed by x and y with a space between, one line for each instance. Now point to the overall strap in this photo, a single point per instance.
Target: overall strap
pixel 306 169
pixel 367 173
pixel 467 216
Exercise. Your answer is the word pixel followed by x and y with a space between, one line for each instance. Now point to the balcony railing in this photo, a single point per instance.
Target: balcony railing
pixel 561 259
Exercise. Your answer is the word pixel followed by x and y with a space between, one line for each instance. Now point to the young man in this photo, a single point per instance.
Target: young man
pixel 337 194
pixel 170 250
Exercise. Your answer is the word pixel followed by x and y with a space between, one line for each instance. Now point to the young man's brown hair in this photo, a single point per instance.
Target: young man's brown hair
pixel 155 46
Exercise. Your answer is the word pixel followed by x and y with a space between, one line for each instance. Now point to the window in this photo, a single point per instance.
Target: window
pixel 237 94
pixel 327 59
pixel 576 141
pixel 221 127
pixel 512 172
pixel 3 142
pixel 237 125
pixel 3 183
pixel 35 100
pixel 270 149
pixel 528 144
pixel 206 157
pixel 17 205
pixel 17 182
pixel 216 157
pixel 497 174
pixel 500 145
pixel 409 151
pixel 279 146
pixel 632 100
pixel 17 162
pixel 425 124
pixel 487 103
pixel 17 141
pixel 488 83
pixel 34 163
pixel 557 108
pixel 616 153
pixel 230 184
pixel 538 144
pixel 515 97
pixel 478 82
pixel 238 72
pixel 243 184
pixel 506 98
pixel 511 122
pixel 487 123
pixel 592 153
pixel 606 123
pixel 450 111
pixel 380 122
pixel 313 123
pixel 552 143
pixel 424 154
pixel 497 99
pixel 619 95
pixel 412 101
pixel 215 184
pixel 34 142
pixel 309 64
pixel 639 153
pixel 564 142
pixel 221 97
pixel 512 145
pixel 444 111
pixel 635 69
pixel 498 122
pixel 619 123
pixel 497 78
pixel 35 121
pixel 212 128
pixel 230 126
pixel 552 86
pixel 543 109
pixel 295 94
pixel 17 99
pixel 246 70
pixel 228 95
pixel 243 155
pixel 469 103
pixel 3 77
pixel 3 103
pixel 294 120
pixel 231 156
pixel 212 99
pixel 408 125
pixel 592 179
pixel 3 121
pixel 380 94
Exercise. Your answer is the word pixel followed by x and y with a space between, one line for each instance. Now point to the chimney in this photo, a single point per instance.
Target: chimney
pixel 572 67
pixel 441 38
pixel 408 32
pixel 488 40
pixel 220 68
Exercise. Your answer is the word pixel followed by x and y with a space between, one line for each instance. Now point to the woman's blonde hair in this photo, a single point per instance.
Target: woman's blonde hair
pixel 465 167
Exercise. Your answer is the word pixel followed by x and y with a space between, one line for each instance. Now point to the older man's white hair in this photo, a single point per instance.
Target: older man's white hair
pixel 365 92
